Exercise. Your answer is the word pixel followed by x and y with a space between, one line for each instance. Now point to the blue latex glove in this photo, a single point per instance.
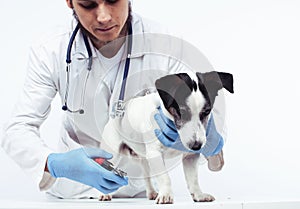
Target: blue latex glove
pixel 78 165
pixel 168 136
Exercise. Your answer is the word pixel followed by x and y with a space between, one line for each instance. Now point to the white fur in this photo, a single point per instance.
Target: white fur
pixel 193 130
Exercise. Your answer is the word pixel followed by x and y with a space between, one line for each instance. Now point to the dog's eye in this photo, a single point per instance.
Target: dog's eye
pixel 185 114
pixel 204 113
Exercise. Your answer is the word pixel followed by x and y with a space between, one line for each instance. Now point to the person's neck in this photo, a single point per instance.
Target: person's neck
pixel 111 48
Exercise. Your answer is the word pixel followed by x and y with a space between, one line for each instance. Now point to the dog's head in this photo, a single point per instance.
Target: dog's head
pixel 190 99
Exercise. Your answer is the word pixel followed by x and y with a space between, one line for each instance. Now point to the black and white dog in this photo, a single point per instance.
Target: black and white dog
pixel 185 98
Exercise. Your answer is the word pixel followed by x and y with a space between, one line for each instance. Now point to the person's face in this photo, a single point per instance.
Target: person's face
pixel 104 19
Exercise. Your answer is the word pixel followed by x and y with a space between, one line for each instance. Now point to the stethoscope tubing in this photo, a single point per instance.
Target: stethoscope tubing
pixel 127 64
pixel 90 62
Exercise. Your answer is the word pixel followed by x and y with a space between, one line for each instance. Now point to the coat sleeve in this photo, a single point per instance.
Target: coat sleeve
pixel 22 141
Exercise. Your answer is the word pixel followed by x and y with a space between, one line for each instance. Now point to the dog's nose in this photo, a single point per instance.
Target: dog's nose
pixel 195 146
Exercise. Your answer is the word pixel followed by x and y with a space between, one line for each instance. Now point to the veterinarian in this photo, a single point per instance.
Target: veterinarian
pixel 85 64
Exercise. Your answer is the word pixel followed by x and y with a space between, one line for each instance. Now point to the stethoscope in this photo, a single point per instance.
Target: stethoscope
pixel 118 108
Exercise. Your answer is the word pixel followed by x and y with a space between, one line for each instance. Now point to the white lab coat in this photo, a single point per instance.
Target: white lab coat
pixel 46 77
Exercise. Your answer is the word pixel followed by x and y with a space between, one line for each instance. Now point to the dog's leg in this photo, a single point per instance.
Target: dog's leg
pixel 150 190
pixel 128 151
pixel 190 166
pixel 165 194
pixel 158 169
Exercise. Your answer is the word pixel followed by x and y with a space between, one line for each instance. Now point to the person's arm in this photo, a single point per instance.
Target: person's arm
pixel 22 141
pixel 80 165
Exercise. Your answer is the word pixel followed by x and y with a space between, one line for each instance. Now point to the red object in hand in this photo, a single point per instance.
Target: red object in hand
pixel 99 160
pixel 110 167
pixel 105 164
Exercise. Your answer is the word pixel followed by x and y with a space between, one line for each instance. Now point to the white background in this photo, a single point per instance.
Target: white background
pixel 256 40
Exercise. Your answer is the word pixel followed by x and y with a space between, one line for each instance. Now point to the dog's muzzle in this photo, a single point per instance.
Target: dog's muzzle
pixel 195 145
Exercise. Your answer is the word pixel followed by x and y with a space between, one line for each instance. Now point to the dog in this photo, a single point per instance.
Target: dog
pixel 185 98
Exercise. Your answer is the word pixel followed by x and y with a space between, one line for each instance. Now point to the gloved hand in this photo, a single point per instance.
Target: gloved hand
pixel 169 137
pixel 78 165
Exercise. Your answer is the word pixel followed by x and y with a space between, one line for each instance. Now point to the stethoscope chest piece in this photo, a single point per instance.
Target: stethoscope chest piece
pixel 118 109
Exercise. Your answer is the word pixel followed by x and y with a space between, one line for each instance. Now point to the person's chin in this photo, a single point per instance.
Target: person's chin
pixel 107 37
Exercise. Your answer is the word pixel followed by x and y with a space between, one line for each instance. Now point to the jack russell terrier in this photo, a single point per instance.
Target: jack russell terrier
pixel 185 98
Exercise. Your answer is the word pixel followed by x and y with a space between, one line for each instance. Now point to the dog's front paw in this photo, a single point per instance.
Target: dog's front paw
pixel 202 197
pixel 164 198
pixel 105 197
pixel 152 195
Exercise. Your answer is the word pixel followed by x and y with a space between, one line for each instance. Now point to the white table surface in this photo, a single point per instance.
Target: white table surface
pixel 142 203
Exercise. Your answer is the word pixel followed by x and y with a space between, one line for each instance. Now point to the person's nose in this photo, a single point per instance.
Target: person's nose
pixel 103 14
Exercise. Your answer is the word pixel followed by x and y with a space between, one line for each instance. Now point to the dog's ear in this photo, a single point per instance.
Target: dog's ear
pixel 211 82
pixel 173 90
pixel 227 81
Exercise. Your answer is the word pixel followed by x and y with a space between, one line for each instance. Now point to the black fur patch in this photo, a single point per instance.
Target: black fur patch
pixel 195 85
pixel 209 84
pixel 174 90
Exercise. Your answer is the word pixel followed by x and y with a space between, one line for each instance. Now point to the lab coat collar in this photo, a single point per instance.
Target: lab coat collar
pixel 138 39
